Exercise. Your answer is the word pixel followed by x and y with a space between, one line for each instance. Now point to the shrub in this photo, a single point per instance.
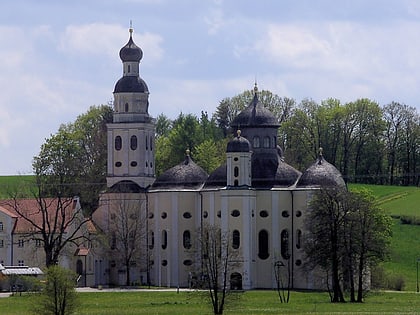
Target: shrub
pixel 59 296
pixel 396 282
pixel 410 219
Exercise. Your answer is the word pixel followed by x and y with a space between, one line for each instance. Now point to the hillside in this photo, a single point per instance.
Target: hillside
pixel 395 200
pixel 405 244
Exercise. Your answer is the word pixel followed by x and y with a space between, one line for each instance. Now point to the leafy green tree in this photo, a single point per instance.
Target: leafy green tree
pixel 348 234
pixel 74 159
pixel 163 125
pixel 59 296
pixel 208 156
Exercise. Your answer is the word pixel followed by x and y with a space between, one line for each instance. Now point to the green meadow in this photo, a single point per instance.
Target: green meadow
pixel 250 302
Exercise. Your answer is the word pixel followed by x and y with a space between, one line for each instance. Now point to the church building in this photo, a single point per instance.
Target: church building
pixel 255 198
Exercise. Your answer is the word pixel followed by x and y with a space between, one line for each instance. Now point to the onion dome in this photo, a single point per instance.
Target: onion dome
pixel 238 144
pixel 186 175
pixel 321 174
pixel 131 84
pixel 255 115
pixel 131 52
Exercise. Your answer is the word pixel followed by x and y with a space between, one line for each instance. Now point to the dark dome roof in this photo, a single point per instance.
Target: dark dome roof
pixel 131 84
pixel 131 52
pixel 321 173
pixel 125 186
pixel 218 178
pixel 286 175
pixel 184 175
pixel 255 115
pixel 238 144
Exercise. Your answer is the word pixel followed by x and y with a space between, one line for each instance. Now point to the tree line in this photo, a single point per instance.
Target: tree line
pixel 368 143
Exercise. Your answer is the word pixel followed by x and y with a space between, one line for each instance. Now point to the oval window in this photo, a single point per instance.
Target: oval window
pixel 298 213
pixel 164 262
pixel 235 213
pixel 133 163
pixel 263 214
pixel 118 164
pixel 285 214
pixel 205 214
pixel 133 142
pixel 164 215
pixel 187 262
pixel 187 215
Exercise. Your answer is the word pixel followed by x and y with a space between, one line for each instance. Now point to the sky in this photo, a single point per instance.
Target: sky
pixel 58 58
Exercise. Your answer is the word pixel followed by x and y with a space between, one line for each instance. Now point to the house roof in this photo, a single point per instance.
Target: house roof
pixel 30 208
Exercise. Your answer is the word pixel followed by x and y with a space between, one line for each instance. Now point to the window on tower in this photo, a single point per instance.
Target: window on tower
pixel 118 143
pixel 126 107
pixel 236 171
pixel 256 142
pixel 266 142
pixel 133 142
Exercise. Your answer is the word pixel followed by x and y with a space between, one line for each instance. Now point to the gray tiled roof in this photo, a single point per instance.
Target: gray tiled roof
pixel 186 175
pixel 321 173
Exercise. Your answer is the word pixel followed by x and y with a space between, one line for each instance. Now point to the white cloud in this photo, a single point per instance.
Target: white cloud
pixel 101 38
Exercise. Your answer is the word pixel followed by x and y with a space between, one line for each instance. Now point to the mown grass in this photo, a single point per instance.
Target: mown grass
pixel 250 302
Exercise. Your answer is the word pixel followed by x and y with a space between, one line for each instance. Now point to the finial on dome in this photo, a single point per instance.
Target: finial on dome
pixel 187 152
pixel 238 132
pixel 131 28
pixel 255 87
pixel 320 155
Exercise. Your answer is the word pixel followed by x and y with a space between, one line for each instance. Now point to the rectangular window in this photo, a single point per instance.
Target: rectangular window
pixel 21 243
pixel 1 226
pixel 38 243
pixel 21 263
pixel 1 243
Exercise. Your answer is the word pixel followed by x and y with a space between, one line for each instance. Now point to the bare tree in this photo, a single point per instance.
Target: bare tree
pixel 218 259
pixel 283 280
pixel 54 222
pixel 127 230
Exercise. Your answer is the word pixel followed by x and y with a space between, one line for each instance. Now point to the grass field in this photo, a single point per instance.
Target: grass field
pixel 250 302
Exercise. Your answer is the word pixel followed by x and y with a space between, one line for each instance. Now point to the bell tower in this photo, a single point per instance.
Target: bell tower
pixel 131 135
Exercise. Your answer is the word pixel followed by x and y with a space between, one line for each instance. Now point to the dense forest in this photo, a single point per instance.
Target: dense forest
pixel 367 142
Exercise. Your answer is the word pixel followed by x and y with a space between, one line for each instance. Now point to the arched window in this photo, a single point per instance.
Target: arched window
pixel 236 171
pixel 285 244
pixel 263 244
pixel 133 142
pixel 274 142
pixel 151 143
pixel 126 107
pixel 236 239
pixel 236 281
pixel 147 144
pixel 118 143
pixel 186 239
pixel 164 239
pixel 128 68
pixel 266 142
pixel 236 183
pixel 298 239
pixel 256 142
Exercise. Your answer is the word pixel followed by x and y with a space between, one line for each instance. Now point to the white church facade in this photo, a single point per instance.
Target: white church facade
pixel 255 198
